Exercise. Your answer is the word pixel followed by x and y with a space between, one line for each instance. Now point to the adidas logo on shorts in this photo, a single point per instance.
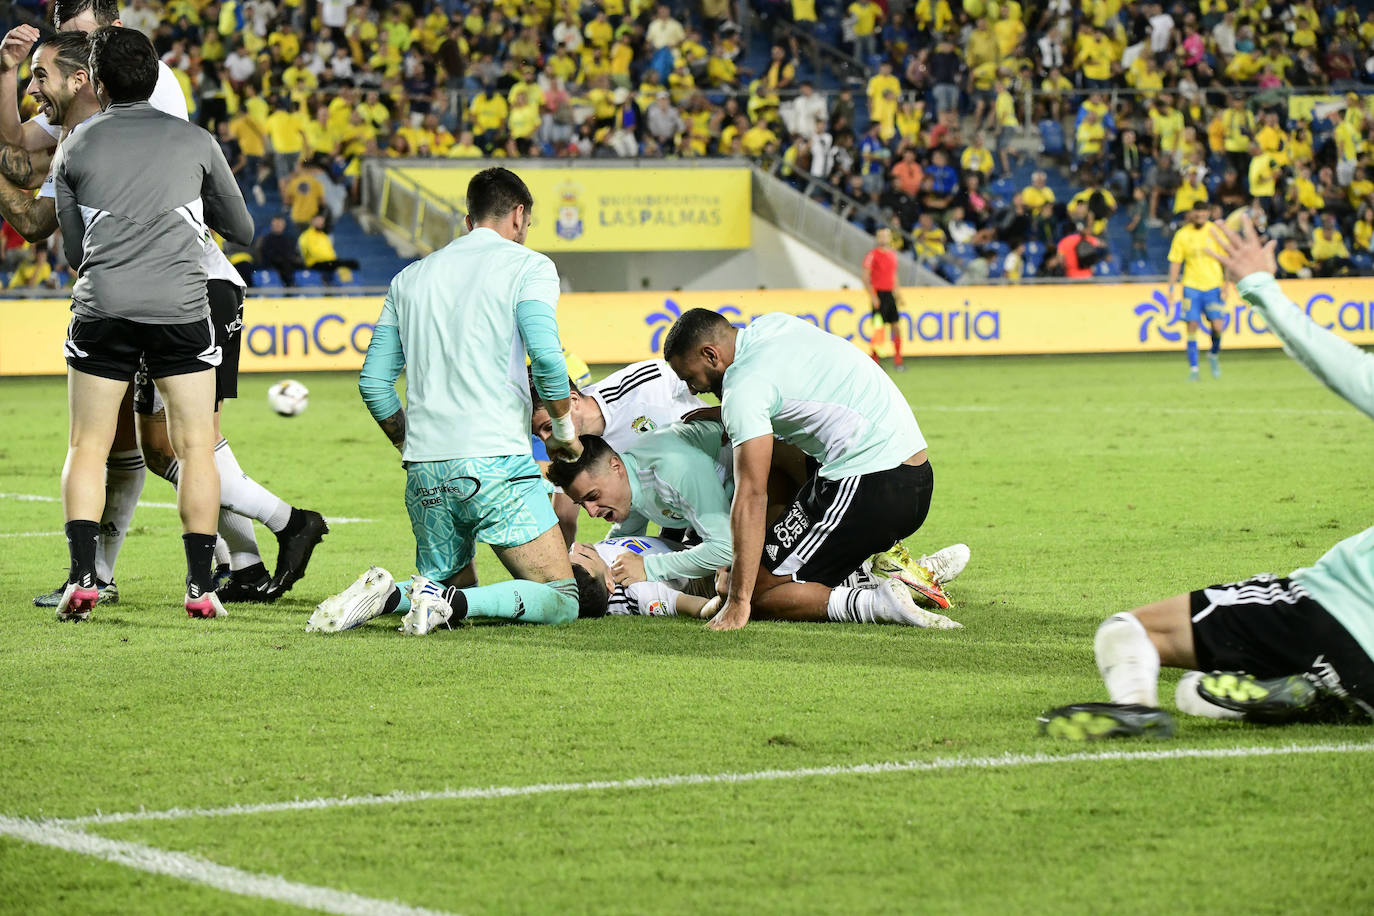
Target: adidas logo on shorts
pixel 772 551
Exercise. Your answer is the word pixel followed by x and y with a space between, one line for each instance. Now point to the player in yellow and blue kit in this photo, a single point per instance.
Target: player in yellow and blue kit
pixel 1203 285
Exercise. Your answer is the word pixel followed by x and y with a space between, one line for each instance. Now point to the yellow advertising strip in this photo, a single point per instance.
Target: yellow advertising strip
pixel 620 209
pixel 289 335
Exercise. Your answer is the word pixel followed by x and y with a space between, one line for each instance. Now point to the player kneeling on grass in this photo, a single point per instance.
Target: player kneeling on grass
pixel 671 477
pixel 782 377
pixel 460 322
pixel 1306 642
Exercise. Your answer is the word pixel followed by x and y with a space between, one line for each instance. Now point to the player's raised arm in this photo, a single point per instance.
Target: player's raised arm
pixel 381 368
pixel 1341 366
pixel 25 137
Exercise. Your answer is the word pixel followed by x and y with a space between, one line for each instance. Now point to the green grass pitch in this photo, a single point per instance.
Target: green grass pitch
pixel 1084 486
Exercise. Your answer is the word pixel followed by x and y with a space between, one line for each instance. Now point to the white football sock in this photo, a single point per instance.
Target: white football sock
pixel 221 552
pixel 1127 660
pixel 244 495
pixel 237 533
pixel 125 472
pixel 1189 701
pixel 848 604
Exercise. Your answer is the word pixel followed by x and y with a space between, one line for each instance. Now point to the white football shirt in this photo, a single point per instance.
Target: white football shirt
pixel 640 398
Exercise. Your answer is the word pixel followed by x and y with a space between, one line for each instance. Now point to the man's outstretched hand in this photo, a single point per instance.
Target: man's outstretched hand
pixel 1242 253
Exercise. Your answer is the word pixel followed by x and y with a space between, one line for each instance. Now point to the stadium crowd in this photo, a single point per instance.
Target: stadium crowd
pixel 1150 107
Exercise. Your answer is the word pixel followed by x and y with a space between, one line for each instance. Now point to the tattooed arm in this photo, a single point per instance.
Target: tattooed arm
pixel 395 428
pixel 35 218
pixel 24 168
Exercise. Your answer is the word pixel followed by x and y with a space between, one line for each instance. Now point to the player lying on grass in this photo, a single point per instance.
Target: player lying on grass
pixel 643 396
pixel 1306 642
pixel 462 434
pixel 782 377
pixel 672 477
pixel 669 597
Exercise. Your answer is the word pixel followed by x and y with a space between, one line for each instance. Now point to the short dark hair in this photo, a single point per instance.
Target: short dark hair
pixel 695 326
pixel 105 11
pixel 535 400
pixel 124 62
pixel 494 192
pixel 593 598
pixel 594 451
pixel 73 52
pixel 1202 205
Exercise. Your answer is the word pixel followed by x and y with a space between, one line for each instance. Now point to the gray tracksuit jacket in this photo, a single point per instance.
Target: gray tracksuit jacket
pixel 136 189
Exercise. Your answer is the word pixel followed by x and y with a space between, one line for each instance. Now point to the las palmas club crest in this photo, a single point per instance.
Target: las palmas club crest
pixel 568 225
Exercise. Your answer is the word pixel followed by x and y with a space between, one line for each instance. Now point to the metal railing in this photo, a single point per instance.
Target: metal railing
pixel 825 230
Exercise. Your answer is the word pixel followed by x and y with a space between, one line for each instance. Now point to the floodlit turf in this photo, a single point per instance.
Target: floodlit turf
pixel 1084 486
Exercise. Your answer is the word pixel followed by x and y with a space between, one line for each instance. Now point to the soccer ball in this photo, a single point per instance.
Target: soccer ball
pixel 288 397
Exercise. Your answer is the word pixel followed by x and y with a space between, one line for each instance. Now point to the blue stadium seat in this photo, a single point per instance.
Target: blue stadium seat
pixel 309 278
pixel 1052 138
pixel 1003 187
pixel 963 251
pixel 1212 181
pixel 1035 253
pixel 266 279
pixel 996 269
pixel 1108 267
pixel 1139 268
pixel 1362 260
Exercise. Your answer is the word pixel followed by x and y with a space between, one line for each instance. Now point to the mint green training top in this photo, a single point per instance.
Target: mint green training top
pixel 677 480
pixel 1342 581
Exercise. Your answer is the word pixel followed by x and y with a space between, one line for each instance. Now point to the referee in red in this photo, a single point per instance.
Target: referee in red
pixel 880 279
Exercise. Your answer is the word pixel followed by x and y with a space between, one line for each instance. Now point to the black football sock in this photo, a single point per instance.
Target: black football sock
pixel 200 560
pixel 83 537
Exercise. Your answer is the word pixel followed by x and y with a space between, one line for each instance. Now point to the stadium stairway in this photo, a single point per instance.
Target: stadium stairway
pixel 378 262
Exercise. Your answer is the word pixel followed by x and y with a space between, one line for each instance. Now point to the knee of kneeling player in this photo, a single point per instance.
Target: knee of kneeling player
pixel 566 608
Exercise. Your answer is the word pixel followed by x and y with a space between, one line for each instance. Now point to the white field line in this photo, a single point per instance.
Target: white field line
pixel 1130 409
pixel 33 498
pixel 939 764
pixel 29 534
pixel 200 871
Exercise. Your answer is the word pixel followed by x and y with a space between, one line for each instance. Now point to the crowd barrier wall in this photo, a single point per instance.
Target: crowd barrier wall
pixel 286 335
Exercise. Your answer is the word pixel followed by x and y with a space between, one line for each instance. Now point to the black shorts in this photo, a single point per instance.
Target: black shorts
pixel 226 314
pixel 834 525
pixel 1271 627
pixel 887 306
pixel 116 348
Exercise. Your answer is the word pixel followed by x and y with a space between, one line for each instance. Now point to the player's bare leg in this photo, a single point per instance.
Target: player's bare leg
pixel 190 401
pixel 93 415
pixel 125 471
